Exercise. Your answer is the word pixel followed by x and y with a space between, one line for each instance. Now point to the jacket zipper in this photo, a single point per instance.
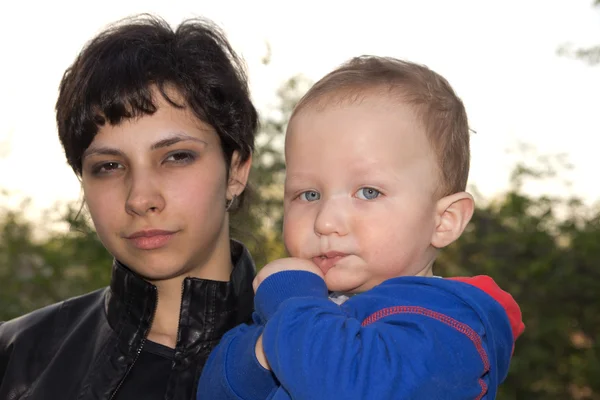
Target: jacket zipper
pixel 179 323
pixel 139 351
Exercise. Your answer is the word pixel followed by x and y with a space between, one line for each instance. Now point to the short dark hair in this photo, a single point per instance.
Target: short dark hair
pixel 441 111
pixel 112 79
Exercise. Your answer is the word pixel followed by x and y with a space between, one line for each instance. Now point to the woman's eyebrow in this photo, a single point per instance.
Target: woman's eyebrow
pixel 102 151
pixel 169 141
pixel 176 137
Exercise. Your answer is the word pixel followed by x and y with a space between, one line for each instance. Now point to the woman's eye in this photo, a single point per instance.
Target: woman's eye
pixel 367 193
pixel 106 168
pixel 310 195
pixel 180 157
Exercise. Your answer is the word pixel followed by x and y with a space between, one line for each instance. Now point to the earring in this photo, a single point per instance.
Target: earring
pixel 229 203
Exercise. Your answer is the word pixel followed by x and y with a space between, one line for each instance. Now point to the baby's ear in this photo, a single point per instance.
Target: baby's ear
pixel 453 213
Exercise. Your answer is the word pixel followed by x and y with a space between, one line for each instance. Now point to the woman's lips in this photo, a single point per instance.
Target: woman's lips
pixel 151 239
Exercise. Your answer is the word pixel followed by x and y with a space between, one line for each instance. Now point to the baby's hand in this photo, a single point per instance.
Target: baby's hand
pixel 285 264
pixel 260 353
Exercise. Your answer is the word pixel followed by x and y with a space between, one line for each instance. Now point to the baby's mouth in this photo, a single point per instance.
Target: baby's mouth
pixel 328 260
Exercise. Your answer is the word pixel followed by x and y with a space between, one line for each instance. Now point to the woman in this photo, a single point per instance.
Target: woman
pixel 159 126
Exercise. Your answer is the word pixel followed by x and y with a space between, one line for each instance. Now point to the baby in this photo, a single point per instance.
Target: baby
pixel 377 160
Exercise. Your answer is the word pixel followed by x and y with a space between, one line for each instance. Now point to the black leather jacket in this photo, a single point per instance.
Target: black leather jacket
pixel 83 348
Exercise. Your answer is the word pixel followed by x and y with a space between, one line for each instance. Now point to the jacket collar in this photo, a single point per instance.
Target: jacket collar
pixel 208 309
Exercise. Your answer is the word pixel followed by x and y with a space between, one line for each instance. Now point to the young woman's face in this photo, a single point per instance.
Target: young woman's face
pixel 156 188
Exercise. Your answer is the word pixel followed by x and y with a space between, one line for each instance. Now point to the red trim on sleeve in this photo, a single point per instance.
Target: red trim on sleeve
pixel 459 326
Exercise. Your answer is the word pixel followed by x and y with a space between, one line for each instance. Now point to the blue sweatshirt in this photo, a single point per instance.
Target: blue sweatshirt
pixel 408 338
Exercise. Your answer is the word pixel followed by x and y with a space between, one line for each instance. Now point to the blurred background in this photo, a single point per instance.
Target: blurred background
pixel 528 72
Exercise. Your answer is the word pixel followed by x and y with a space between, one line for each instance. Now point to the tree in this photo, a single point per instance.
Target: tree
pixel 543 250
pixel 259 224
pixel 590 55
pixel 35 272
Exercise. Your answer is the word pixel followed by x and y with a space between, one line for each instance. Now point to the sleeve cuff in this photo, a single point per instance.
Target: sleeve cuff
pixel 247 376
pixel 284 285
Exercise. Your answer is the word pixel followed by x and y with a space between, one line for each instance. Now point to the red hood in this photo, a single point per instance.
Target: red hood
pixel 509 304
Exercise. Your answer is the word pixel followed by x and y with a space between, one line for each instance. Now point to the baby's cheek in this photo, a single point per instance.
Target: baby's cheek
pixel 295 251
pixel 294 239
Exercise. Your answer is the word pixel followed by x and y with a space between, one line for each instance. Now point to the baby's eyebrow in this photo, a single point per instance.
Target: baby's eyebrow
pixel 296 182
pixel 298 176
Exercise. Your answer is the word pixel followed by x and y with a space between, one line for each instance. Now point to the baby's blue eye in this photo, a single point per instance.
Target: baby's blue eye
pixel 310 195
pixel 367 193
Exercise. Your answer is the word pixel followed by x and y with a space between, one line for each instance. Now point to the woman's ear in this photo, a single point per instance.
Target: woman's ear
pixel 453 213
pixel 238 175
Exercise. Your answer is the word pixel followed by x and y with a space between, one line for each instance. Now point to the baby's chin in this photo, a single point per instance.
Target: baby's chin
pixel 345 282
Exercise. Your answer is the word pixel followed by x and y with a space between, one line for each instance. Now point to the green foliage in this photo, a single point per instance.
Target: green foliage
pixel 259 223
pixel 35 273
pixel 589 55
pixel 543 250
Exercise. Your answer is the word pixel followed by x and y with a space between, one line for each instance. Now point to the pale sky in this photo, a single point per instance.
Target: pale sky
pixel 500 57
